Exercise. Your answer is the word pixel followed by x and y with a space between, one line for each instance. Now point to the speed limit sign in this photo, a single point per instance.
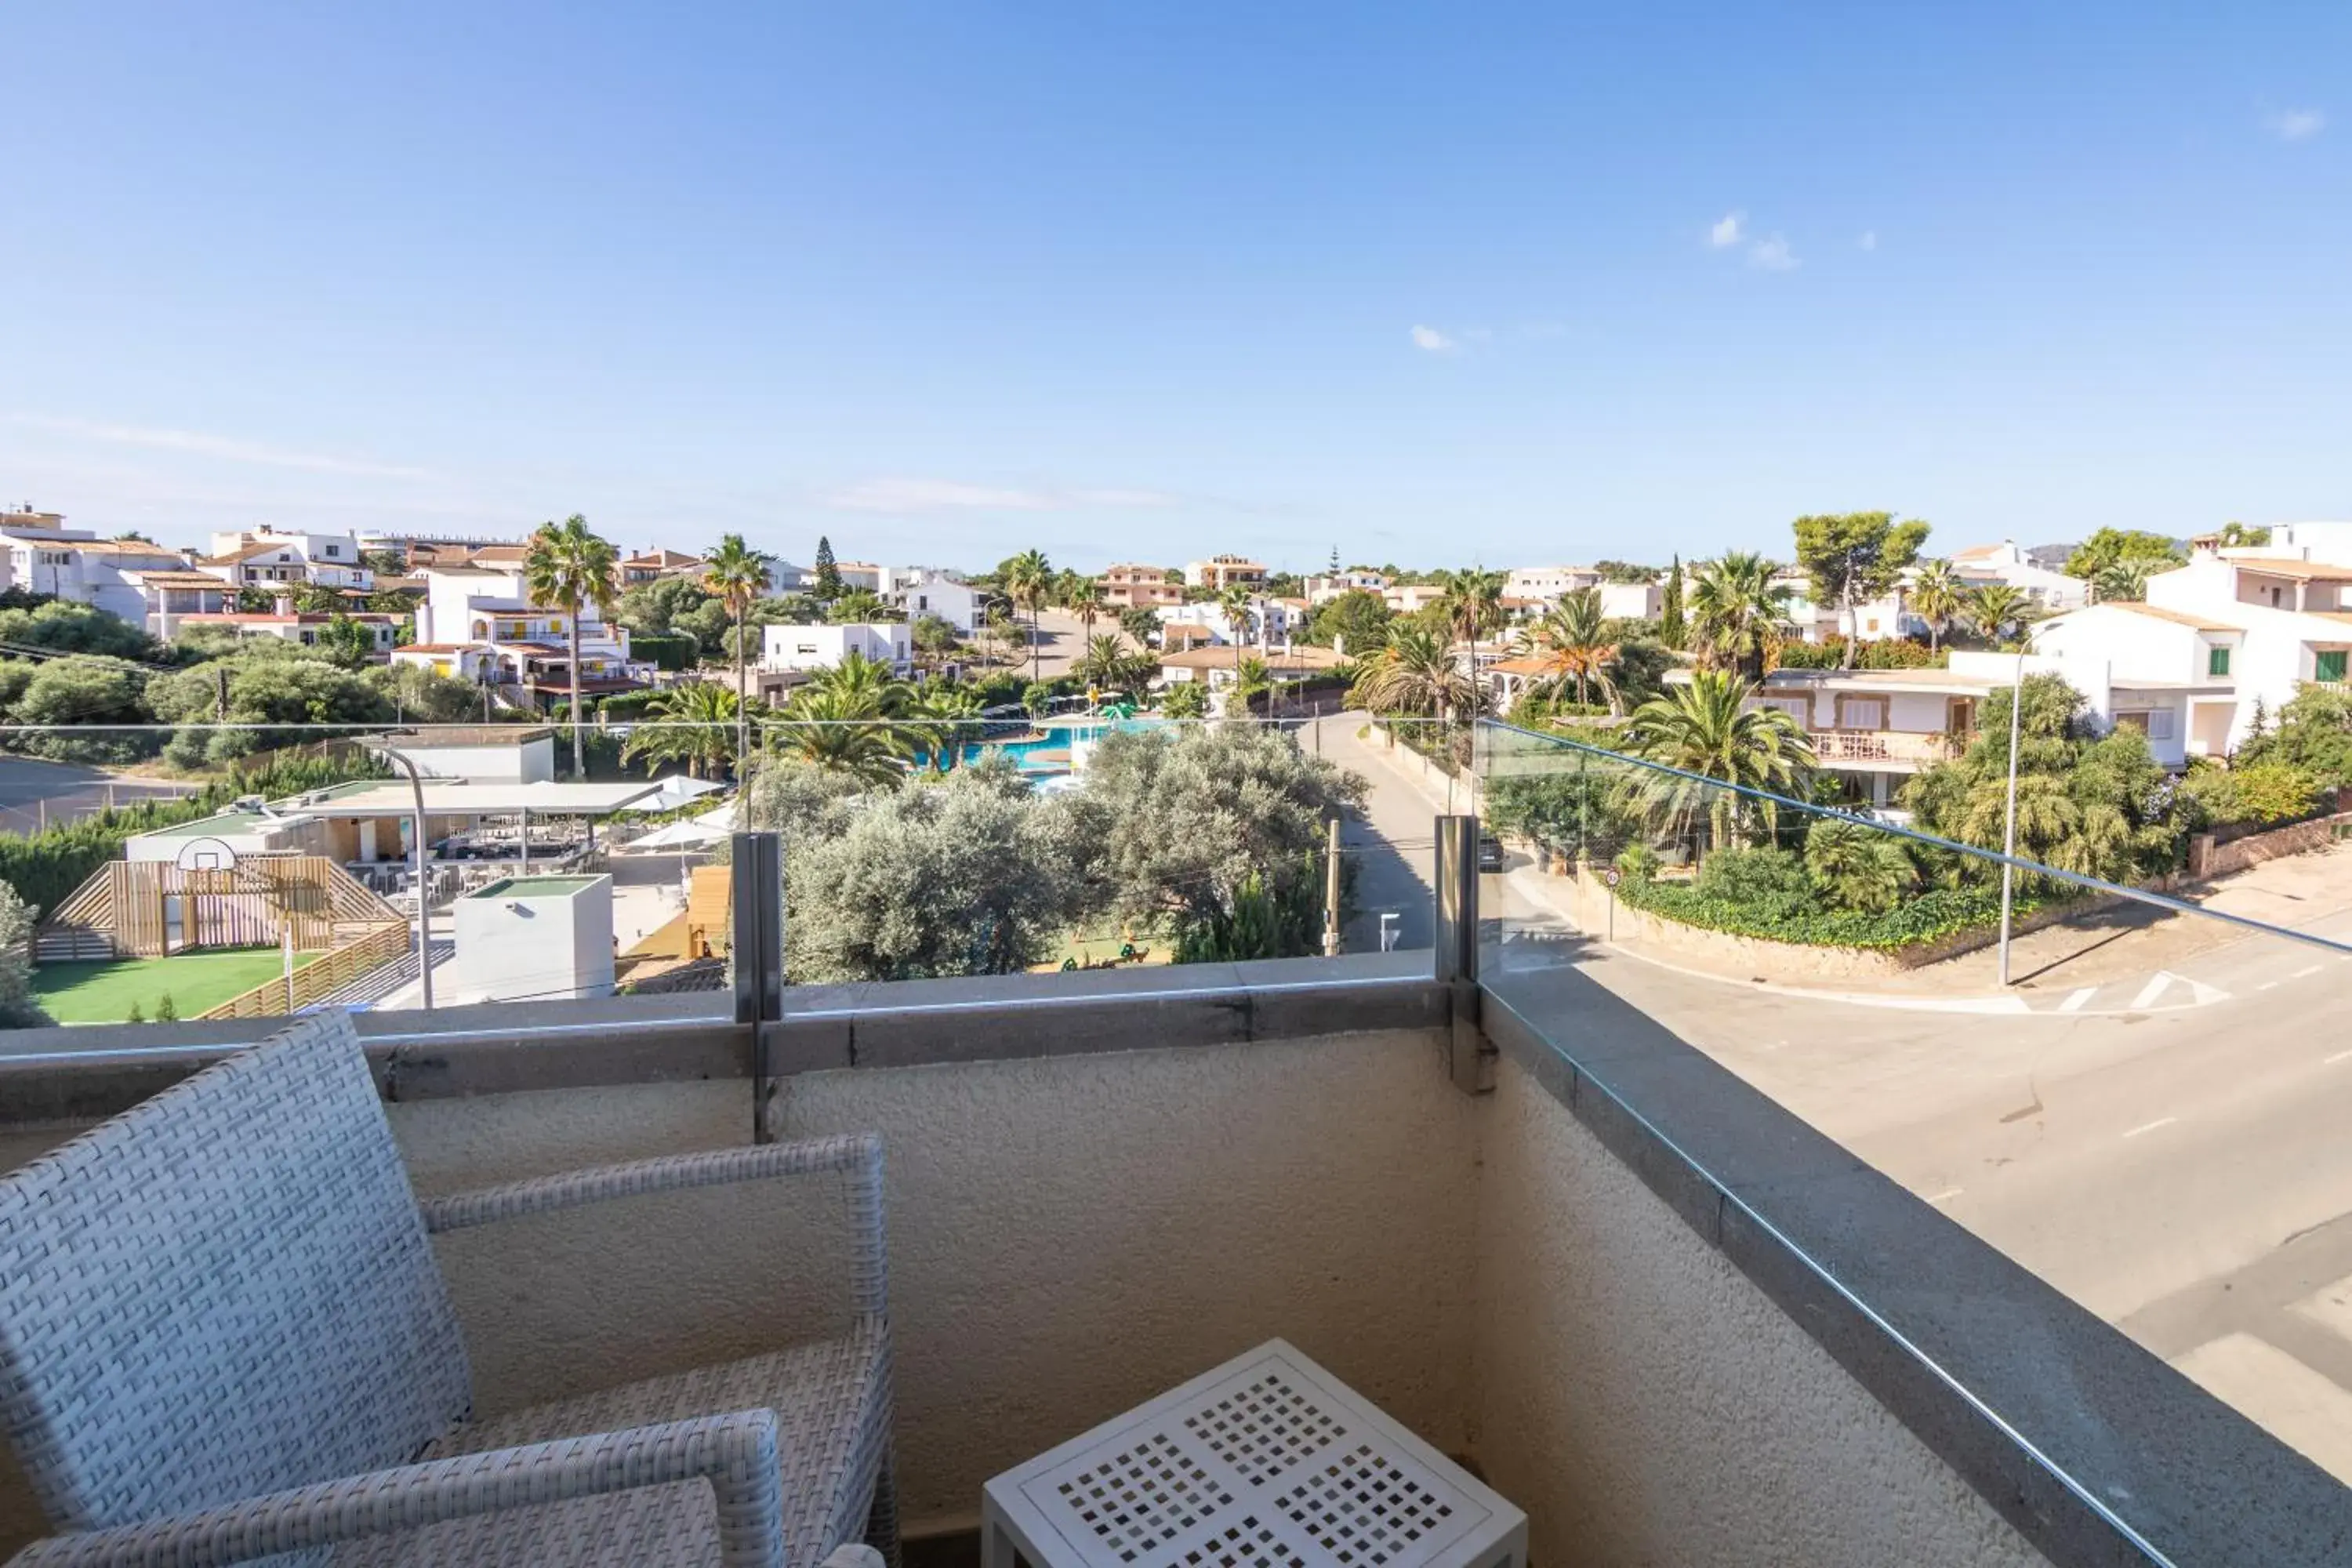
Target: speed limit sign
pixel 1610 876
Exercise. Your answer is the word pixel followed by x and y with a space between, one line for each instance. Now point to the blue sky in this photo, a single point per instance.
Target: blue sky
pixel 1435 284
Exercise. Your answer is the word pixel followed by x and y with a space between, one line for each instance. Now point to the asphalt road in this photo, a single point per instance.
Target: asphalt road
pixel 34 794
pixel 2156 1126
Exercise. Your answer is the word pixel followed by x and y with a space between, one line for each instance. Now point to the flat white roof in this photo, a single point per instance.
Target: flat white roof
pixel 444 799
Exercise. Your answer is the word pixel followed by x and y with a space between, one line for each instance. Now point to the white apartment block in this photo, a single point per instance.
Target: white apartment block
pixel 822 647
pixel 265 556
pixel 865 574
pixel 1548 583
pixel 1979 565
pixel 922 591
pixel 1273 621
pixel 103 572
pixel 1874 620
pixel 1414 596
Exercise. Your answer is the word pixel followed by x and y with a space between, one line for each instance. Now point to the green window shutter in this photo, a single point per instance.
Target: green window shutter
pixel 2217 661
pixel 2331 665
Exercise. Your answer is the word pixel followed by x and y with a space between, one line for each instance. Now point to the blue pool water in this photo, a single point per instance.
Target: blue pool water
pixel 1049 752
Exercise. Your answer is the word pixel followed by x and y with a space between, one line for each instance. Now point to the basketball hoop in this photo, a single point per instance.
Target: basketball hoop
pixel 207 854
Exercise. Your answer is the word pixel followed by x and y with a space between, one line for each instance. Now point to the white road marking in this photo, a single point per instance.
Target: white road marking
pixel 2331 1061
pixel 2266 985
pixel 2152 990
pixel 2305 973
pixel 2151 1126
pixel 1945 1193
pixel 2075 1003
pixel 2301 1408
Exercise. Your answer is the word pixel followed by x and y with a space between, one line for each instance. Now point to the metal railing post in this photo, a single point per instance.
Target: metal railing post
pixel 1470 1057
pixel 756 944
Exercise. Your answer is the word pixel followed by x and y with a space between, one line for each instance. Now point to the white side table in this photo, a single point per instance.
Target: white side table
pixel 1268 1461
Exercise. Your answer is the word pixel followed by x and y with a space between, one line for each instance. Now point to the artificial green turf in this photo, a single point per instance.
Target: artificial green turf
pixel 103 992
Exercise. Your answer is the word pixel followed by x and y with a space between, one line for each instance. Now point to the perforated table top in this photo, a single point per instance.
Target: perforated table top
pixel 1268 1461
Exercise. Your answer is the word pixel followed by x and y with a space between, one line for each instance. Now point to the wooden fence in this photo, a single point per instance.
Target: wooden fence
pixel 150 908
pixel 318 979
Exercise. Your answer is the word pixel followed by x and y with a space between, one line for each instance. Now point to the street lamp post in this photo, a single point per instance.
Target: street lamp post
pixel 2009 830
pixel 423 916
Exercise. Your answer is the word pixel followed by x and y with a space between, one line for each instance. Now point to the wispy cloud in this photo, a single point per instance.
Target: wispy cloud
pixel 903 495
pixel 1772 255
pixel 2296 124
pixel 1431 340
pixel 1869 241
pixel 224 448
pixel 1727 231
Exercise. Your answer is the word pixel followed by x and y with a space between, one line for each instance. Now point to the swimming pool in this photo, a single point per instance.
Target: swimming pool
pixel 1048 753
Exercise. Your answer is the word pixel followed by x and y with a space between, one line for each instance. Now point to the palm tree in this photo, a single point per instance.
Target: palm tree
pixel 1028 579
pixel 945 716
pixel 842 733
pixel 1737 611
pixel 568 566
pixel 1415 674
pixel 1572 639
pixel 1239 607
pixel 1940 594
pixel 2123 581
pixel 1251 678
pixel 1996 607
pixel 1107 664
pixel 857 605
pixel 690 723
pixel 1860 867
pixel 1471 603
pixel 1706 731
pixel 1084 597
pixel 867 684
pixel 738 575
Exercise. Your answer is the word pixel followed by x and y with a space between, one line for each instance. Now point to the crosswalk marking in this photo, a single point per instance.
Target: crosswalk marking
pixel 2075 1003
pixel 2330 1307
pixel 2300 1406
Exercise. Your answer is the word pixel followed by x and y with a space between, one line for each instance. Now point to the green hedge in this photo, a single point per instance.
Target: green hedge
pixel 666 650
pixel 1922 918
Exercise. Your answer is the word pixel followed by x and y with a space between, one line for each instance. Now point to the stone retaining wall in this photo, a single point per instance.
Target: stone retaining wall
pixel 2208 860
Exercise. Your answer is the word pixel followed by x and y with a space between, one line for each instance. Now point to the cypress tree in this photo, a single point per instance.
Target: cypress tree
pixel 1671 628
pixel 828 575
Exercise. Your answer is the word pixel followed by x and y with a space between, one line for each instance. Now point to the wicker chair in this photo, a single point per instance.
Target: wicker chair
pixel 223 1334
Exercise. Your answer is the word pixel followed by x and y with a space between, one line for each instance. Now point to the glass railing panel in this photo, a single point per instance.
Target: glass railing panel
pixel 2138 1095
pixel 1009 842
pixel 243 869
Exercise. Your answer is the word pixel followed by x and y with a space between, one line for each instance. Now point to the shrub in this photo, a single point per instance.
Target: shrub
pixel 666 650
pixel 1925 917
pixel 1858 867
pixel 1637 862
pixel 2262 793
pixel 1767 881
pixel 1883 653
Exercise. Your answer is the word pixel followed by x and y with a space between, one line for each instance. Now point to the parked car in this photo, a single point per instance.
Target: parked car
pixel 1490 852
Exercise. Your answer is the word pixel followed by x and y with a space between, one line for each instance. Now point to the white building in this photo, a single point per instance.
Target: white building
pixel 172 594
pixel 2227 629
pixel 478 623
pixel 863 575
pixel 1219 572
pixel 1875 728
pixel 783 577
pixel 490 753
pixel 1324 589
pixel 1274 622
pixel 103 572
pixel 1874 620
pixel 822 647
pixel 307 629
pixel 1632 601
pixel 1982 564
pixel 265 556
pixel 1548 583
pixel 922 591
pixel 532 939
pixel 1416 597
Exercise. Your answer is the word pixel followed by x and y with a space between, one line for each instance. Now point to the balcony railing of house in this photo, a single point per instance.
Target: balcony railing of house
pixel 1923 750
pixel 1670 1319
